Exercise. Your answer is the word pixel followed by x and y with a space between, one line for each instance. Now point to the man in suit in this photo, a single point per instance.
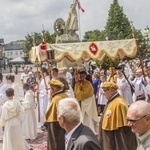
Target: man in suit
pixel 78 136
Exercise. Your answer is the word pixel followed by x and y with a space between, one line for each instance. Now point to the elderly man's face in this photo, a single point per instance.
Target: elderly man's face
pixel 109 92
pixel 54 90
pixel 138 123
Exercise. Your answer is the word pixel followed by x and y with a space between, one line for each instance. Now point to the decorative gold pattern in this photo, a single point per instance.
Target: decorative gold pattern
pixel 76 51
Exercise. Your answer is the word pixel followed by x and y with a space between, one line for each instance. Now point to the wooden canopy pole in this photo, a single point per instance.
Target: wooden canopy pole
pixel 47 56
pixel 138 50
pixel 37 92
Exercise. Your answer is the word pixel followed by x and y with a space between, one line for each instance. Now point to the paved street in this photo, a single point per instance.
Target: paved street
pixel 18 82
pixel 40 142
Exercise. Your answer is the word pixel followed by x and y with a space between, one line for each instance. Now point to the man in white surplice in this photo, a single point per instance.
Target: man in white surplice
pixel 124 88
pixel 29 124
pixel 140 89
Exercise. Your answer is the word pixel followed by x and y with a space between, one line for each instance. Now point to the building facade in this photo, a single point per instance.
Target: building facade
pixel 14 50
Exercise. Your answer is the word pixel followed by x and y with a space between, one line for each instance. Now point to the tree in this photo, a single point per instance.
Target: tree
pixel 118 26
pixel 94 35
pixel 28 44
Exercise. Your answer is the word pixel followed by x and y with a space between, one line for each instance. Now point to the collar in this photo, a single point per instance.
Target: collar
pixel 139 78
pixel 144 137
pixel 61 91
pixel 113 97
pixel 29 91
pixel 68 135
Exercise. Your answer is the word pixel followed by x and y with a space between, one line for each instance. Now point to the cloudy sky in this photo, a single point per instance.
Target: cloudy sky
pixel 20 17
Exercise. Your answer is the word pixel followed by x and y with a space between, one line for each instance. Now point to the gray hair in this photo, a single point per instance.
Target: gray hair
pixel 141 108
pixel 70 109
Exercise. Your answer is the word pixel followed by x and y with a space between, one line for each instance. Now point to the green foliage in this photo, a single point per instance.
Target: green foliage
pixel 107 62
pixel 140 42
pixel 38 37
pixel 118 26
pixel 92 36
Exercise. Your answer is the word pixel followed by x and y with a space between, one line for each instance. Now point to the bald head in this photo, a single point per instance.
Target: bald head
pixel 139 108
pixel 138 117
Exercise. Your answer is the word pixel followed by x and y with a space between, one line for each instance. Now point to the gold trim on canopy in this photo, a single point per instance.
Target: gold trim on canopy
pixel 38 53
pixel 113 49
pixel 93 50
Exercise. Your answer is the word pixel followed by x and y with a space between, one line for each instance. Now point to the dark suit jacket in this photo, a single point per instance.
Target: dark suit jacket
pixel 83 139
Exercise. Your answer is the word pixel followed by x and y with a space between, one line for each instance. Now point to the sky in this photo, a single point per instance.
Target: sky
pixel 20 17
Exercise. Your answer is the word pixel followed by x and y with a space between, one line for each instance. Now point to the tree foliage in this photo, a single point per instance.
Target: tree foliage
pixel 118 26
pixel 28 44
pixel 95 35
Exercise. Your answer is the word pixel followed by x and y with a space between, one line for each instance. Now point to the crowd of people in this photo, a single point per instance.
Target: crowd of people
pixel 79 109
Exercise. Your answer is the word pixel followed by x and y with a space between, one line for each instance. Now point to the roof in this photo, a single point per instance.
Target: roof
pixel 11 46
pixel 17 60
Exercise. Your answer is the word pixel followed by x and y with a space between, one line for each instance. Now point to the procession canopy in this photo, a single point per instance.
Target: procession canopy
pixel 39 53
pixel 88 50
pixel 94 50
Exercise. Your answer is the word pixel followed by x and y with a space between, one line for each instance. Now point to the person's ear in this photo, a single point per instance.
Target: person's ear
pixel 63 119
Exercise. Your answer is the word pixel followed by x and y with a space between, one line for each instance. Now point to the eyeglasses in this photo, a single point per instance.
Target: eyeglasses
pixel 135 120
pixel 105 90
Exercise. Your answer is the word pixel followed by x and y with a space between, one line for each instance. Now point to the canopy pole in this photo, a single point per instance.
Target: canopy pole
pixel 37 92
pixel 49 67
pixel 138 50
pixel 34 43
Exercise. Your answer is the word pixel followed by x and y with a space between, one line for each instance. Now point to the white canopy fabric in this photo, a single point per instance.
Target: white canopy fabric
pixel 17 60
pixel 88 50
